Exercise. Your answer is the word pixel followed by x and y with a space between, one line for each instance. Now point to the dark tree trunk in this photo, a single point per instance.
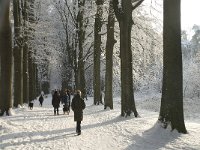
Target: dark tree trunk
pixel 81 36
pixel 124 17
pixel 25 52
pixel 6 59
pixel 18 55
pixel 74 50
pixel 69 75
pixel 75 62
pixel 128 103
pixel 108 100
pixel 31 64
pixel 171 111
pixel 97 53
pixel 37 82
pixel 31 77
pixel 25 73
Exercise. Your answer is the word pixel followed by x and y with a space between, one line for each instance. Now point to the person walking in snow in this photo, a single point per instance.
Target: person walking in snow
pixel 56 102
pixel 41 99
pixel 69 95
pixel 78 105
pixel 66 102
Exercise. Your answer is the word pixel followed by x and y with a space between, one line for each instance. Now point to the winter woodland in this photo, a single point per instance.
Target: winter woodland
pixel 136 68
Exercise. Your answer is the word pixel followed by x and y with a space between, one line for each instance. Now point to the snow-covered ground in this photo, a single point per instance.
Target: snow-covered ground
pixel 39 129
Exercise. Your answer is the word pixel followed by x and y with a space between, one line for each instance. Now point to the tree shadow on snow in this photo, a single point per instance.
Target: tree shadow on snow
pixel 28 137
pixel 35 137
pixel 154 138
pixel 40 116
pixel 95 112
pixel 108 122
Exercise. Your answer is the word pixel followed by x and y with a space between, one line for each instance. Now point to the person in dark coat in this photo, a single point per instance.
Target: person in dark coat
pixel 66 102
pixel 78 105
pixel 56 102
pixel 41 99
pixel 69 95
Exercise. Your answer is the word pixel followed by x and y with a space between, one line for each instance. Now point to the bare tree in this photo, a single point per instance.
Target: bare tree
pixel 25 51
pixel 123 12
pixel 31 62
pixel 108 100
pixel 171 111
pixel 18 55
pixel 97 52
pixel 6 58
pixel 81 38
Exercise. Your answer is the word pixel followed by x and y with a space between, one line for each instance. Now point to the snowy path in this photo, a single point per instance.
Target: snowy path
pixel 39 129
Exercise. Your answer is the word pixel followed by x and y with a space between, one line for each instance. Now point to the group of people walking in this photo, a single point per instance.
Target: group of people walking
pixel 77 105
pixel 63 98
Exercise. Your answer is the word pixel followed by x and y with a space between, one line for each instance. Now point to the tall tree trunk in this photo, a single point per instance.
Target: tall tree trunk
pixel 171 111
pixel 35 80
pixel 81 35
pixel 74 49
pixel 37 83
pixel 18 56
pixel 108 100
pixel 31 63
pixel 69 75
pixel 25 73
pixel 6 59
pixel 32 80
pixel 124 17
pixel 75 64
pixel 25 52
pixel 128 104
pixel 30 72
pixel 97 53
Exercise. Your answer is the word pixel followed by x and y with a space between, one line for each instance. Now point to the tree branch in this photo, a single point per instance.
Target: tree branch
pixel 117 9
pixel 74 20
pixel 137 4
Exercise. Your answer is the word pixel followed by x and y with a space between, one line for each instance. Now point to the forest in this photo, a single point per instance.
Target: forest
pixel 103 48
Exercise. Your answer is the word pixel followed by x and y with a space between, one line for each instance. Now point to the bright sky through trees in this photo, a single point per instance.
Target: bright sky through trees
pixel 190 13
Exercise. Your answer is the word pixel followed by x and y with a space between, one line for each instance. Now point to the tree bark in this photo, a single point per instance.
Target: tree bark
pixel 81 36
pixel 18 56
pixel 128 104
pixel 25 52
pixel 108 100
pixel 31 77
pixel 171 111
pixel 31 63
pixel 97 53
pixel 6 59
pixel 124 17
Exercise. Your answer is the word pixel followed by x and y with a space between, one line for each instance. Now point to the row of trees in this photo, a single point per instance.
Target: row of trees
pixel 18 75
pixel 75 51
pixel 171 110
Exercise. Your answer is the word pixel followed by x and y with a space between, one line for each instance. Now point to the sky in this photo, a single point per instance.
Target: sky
pixel 190 13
